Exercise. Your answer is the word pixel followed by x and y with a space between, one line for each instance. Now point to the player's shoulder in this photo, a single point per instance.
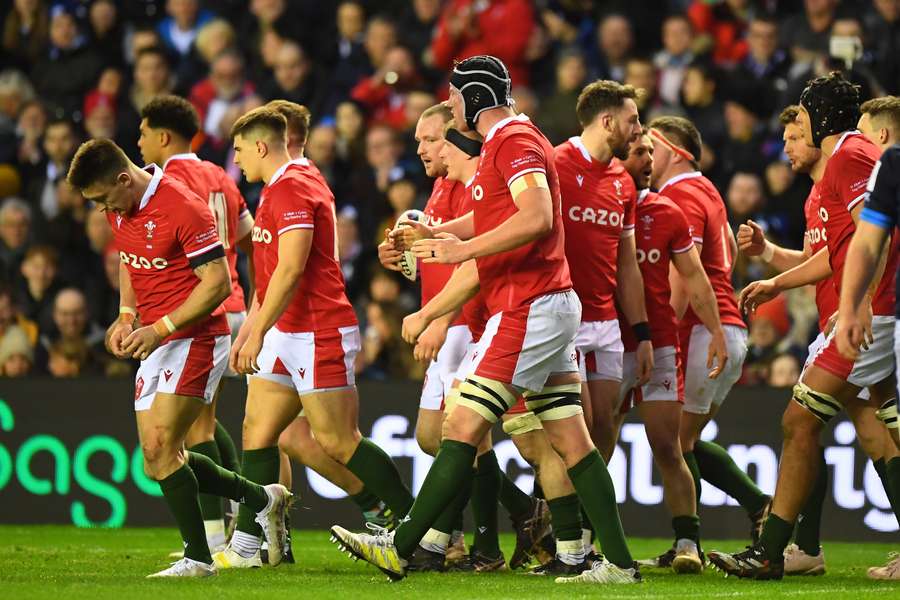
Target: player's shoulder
pixel 855 148
pixel 172 191
pixel 516 131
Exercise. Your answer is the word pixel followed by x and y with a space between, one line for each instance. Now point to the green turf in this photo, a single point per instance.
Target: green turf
pixel 64 563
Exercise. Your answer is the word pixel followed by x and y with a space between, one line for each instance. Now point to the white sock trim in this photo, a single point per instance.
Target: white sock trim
pixel 244 544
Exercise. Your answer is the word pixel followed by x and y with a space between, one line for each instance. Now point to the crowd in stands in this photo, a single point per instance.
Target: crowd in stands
pixel 77 69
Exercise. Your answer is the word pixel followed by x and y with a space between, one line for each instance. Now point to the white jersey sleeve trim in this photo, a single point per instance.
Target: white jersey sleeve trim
pixel 627 233
pixel 682 250
pixel 296 226
pixel 856 201
pixel 525 172
pixel 697 239
pixel 203 250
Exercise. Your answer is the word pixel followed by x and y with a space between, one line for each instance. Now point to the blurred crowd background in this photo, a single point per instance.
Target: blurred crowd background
pixel 74 70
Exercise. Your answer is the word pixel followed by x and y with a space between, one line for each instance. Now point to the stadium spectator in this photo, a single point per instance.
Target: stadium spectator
pixel 106 94
pixel 883 25
pixel 807 33
pixel 765 63
pixel 15 234
pixel 784 371
pixel 384 93
pixel 15 92
pixel 106 34
pixel 67 358
pixel 60 142
pixel 744 199
pixel 348 54
pixel 30 128
pixel 178 32
pixel 38 285
pixel 786 195
pixel 213 38
pixel 556 118
pixel 72 334
pixel 152 77
pixel 296 79
pixel 369 185
pixel 25 31
pixel 720 29
pixel 401 196
pixel 417 22
pixel 354 258
pixel 220 99
pixel 745 128
pixel 677 53
pixel 321 149
pixel 704 109
pixel 68 68
pixel 385 355
pixel 615 40
pixel 13 324
pixel 769 327
pixel 66 232
pixel 16 354
pixel 500 28
pixel 143 37
pixel 641 73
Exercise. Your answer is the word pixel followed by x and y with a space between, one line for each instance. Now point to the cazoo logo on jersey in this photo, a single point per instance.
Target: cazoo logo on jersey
pixel 142 262
pixel 600 216
pixel 262 235
pixel 651 256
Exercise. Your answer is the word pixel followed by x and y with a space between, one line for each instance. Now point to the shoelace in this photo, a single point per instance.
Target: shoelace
pixel 381 534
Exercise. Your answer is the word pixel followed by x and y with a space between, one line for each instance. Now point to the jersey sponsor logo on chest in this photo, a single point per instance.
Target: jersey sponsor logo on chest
pixel 823 214
pixel 650 255
pixel 263 236
pixel 142 262
pixel 477 192
pixel 816 235
pixel 598 216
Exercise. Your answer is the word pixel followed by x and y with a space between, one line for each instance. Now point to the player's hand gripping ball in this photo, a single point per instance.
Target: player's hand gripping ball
pixel 408 263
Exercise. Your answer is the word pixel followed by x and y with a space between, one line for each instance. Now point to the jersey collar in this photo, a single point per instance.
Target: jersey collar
pixel 576 141
pixel 682 177
pixel 844 137
pixel 642 195
pixel 182 156
pixel 522 118
pixel 154 183
pixel 303 162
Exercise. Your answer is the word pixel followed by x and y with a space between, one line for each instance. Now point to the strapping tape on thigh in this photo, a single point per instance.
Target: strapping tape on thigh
pixel 487 397
pixel 887 414
pixel 555 401
pixel 451 400
pixel 822 406
pixel 522 424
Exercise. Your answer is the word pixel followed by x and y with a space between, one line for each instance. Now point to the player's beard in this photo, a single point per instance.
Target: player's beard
pixel 619 144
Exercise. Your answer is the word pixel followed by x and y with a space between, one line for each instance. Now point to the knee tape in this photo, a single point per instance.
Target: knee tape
pixel 822 406
pixel 887 414
pixel 487 397
pixel 522 424
pixel 555 402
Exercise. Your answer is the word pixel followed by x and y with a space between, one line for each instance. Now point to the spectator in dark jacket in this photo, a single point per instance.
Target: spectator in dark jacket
pixel 25 31
pixel 556 116
pixel 297 79
pixel 69 67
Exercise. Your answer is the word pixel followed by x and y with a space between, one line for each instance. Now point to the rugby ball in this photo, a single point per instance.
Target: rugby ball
pixel 408 263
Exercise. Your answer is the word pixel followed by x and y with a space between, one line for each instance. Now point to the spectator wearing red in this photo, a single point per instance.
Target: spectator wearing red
pixel 384 94
pixel 500 28
pixel 721 25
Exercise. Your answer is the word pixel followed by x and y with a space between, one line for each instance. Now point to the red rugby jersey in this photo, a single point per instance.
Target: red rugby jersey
pixel 233 219
pixel 842 188
pixel 515 148
pixel 598 210
pixel 701 203
pixel 444 205
pixel 297 197
pixel 661 230
pixel 171 231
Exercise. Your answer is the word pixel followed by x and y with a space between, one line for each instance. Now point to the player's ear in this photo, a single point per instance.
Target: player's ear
pixel 262 149
pixel 123 179
pixel 883 135
pixel 164 138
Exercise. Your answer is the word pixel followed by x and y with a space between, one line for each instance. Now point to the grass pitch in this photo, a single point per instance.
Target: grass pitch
pixel 65 563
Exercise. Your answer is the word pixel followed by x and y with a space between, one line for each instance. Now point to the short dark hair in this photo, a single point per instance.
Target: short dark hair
pixel 682 132
pixel 152 51
pixel 264 118
pixel 789 114
pixel 54 122
pixel 173 113
pixel 96 161
pixel 296 116
pixel 886 107
pixel 603 95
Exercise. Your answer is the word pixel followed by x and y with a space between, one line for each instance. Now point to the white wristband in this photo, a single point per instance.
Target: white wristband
pixel 168 323
pixel 127 310
pixel 768 252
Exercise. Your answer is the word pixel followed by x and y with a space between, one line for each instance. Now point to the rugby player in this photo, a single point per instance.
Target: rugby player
pixel 301 336
pixel 174 278
pixel 805 556
pixel 662 238
pixel 676 155
pixel 450 200
pixel 880 123
pixel 168 124
pixel 828 115
pixel 516 241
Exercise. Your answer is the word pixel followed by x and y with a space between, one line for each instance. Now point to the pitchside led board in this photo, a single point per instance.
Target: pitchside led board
pixel 69 454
